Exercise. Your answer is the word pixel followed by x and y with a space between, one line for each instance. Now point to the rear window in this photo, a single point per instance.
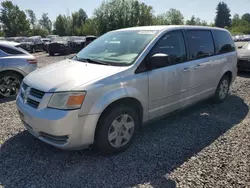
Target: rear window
pixel 200 43
pixel 224 42
pixel 10 51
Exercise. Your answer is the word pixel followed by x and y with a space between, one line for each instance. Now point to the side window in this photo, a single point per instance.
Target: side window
pixel 224 42
pixel 10 51
pixel 172 44
pixel 200 43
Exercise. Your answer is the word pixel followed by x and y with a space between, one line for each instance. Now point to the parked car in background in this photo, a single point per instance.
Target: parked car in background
pixel 15 39
pixel 59 45
pixel 46 42
pixel 36 37
pixel 2 38
pixel 15 64
pixel 123 79
pixel 69 44
pixel 76 43
pixel 52 36
pixel 244 58
pixel 89 39
pixel 32 44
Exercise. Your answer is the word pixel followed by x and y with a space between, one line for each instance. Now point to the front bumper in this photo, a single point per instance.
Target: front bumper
pixel 62 129
pixel 243 64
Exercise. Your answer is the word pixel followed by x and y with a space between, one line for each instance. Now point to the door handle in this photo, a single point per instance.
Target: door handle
pixel 186 70
pixel 198 66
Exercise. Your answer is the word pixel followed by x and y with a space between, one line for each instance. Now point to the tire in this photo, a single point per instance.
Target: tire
pixel 33 50
pixel 221 92
pixel 105 128
pixel 51 53
pixel 13 86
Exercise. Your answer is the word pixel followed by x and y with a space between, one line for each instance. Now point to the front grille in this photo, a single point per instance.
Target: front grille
pixel 37 93
pixel 54 139
pixel 31 96
pixel 32 103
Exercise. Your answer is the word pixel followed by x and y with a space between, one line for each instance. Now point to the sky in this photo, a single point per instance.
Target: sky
pixel 204 9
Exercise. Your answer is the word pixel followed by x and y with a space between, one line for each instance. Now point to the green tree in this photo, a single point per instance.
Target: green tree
pixel 246 17
pixel 191 21
pixel 161 19
pixel 62 25
pixel 116 14
pixel 236 19
pixel 175 17
pixel 89 28
pixel 223 15
pixel 45 22
pixel 39 31
pixel 196 21
pixel 13 19
pixel 32 17
pixel 78 20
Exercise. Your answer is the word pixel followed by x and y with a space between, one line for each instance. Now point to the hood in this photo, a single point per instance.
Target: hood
pixel 243 53
pixel 67 75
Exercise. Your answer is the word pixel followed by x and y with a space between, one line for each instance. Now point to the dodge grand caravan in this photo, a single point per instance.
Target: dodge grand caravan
pixel 123 79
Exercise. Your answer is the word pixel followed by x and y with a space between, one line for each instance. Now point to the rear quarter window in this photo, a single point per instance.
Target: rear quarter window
pixel 224 42
pixel 10 51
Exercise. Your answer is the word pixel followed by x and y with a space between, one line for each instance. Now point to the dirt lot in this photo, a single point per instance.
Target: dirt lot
pixel 206 145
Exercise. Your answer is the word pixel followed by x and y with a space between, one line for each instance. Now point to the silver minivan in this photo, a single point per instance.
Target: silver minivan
pixel 123 79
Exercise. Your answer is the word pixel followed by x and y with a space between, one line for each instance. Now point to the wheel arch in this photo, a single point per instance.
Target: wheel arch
pixel 18 72
pixel 128 101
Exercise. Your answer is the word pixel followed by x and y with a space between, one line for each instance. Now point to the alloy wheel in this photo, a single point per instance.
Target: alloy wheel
pixel 223 89
pixel 9 86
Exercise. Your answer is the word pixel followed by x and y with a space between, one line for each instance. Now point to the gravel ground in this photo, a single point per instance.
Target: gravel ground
pixel 204 146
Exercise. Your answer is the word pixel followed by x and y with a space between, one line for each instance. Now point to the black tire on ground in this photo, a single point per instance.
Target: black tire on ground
pixel 12 74
pixel 33 50
pixel 51 53
pixel 102 143
pixel 224 85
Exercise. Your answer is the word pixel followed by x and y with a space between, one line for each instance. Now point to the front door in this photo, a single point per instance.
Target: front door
pixel 165 76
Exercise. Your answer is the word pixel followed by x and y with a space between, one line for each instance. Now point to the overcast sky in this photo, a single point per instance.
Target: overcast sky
pixel 204 9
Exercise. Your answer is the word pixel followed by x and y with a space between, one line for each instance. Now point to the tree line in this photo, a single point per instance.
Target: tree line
pixel 110 15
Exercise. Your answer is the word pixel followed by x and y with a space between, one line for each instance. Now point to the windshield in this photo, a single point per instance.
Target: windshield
pixel 246 46
pixel 118 48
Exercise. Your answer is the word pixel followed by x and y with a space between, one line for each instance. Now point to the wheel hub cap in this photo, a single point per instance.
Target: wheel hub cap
pixel 9 86
pixel 121 131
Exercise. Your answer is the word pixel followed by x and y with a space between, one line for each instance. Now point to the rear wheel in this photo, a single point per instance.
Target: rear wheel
pixel 9 84
pixel 117 129
pixel 222 89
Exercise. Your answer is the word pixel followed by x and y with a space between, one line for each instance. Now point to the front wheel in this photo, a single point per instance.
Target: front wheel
pixel 9 85
pixel 117 129
pixel 51 53
pixel 222 89
pixel 33 50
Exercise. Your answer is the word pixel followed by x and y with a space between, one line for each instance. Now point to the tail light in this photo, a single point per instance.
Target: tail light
pixel 32 61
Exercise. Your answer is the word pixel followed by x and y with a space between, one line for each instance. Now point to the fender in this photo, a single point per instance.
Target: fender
pixel 15 70
pixel 98 106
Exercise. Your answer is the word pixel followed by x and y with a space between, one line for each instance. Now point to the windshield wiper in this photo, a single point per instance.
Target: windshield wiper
pixel 95 61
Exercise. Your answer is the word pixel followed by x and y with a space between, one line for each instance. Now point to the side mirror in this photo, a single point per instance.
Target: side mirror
pixel 240 47
pixel 159 60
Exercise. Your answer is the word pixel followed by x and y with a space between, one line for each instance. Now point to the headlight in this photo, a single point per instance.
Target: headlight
pixel 67 100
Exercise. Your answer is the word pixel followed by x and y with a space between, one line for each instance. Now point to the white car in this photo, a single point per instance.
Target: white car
pixel 123 79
